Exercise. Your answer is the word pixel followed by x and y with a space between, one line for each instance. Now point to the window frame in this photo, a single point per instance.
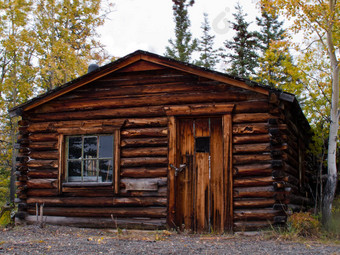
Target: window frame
pixel 62 181
pixel 83 160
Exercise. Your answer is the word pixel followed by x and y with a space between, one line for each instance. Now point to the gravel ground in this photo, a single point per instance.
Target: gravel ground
pixel 67 240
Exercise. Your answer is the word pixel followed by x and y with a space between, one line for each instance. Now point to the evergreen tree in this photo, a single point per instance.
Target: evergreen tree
pixel 208 56
pixel 243 57
pixel 276 68
pixel 270 29
pixel 183 46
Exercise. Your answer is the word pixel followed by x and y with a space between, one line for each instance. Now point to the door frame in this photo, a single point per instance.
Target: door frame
pixel 211 110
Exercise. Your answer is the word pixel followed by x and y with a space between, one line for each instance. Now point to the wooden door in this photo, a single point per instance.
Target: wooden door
pixel 200 196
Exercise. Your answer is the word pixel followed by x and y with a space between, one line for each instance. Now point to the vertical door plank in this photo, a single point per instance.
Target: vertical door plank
pixel 171 175
pixel 184 185
pixel 217 176
pixel 116 160
pixel 202 208
pixel 228 177
pixel 62 153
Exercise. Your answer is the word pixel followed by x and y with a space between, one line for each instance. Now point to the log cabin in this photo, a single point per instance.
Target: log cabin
pixel 150 142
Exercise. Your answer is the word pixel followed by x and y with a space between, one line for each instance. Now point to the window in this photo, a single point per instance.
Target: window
pixel 202 144
pixel 89 158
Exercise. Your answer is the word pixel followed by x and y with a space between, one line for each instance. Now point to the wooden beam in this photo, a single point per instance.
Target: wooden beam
pixel 198 109
pixel 206 74
pixel 228 173
pixel 116 160
pixel 82 82
pixel 171 175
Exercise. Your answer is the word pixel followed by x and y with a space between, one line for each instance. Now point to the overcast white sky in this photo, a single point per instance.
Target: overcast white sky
pixel 148 24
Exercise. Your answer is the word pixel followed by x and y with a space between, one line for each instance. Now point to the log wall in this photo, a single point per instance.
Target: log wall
pixel 264 150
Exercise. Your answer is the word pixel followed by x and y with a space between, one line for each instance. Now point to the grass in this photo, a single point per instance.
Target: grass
pixel 305 227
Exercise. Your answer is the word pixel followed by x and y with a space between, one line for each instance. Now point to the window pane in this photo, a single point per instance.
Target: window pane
pixel 105 146
pixel 90 170
pixel 74 168
pixel 202 144
pixel 74 145
pixel 105 170
pixel 90 147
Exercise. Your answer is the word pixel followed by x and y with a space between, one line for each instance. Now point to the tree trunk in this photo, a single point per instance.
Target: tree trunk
pixel 12 176
pixel 333 132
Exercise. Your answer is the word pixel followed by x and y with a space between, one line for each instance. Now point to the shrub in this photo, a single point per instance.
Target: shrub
pixel 304 224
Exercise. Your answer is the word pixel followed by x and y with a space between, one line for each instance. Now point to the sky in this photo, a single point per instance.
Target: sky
pixel 148 24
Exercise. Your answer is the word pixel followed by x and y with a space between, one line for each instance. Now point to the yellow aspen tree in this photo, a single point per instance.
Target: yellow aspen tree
pixel 319 21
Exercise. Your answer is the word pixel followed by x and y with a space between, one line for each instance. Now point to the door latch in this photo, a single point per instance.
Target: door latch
pixel 178 169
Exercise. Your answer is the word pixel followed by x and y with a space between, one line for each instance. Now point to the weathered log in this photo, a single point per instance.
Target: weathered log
pixel 265 191
pixel 86 130
pixel 44 155
pixel 54 126
pixel 143 184
pixel 22 168
pixel 293 161
pixel 152 122
pixel 42 183
pixel 20 183
pixel 199 109
pixel 290 169
pixel 152 212
pixel 149 151
pixel 250 128
pixel 143 161
pixel 22 195
pixel 252 225
pixel 23 159
pixel 254 203
pixel 249 106
pixel 252 117
pixel 291 179
pixel 98 201
pixel 42 192
pixel 39 146
pixel 142 100
pixel 22 136
pixel 252 169
pixel 256 214
pixel 22 142
pixel 298 200
pixel 23 123
pixel 253 181
pixel 251 158
pixel 24 150
pixel 249 139
pixel 22 178
pixel 97 222
pixel 108 192
pixel 145 132
pixel 161 192
pixel 49 174
pixel 46 164
pixel 187 85
pixel 43 137
pixel 255 147
pixel 296 208
pixel 145 111
pixel 142 172
pixel 139 142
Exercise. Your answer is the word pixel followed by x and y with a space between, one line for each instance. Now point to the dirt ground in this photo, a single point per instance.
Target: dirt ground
pixel 67 240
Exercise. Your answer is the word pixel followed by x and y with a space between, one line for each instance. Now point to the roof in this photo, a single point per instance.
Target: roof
pixel 155 59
